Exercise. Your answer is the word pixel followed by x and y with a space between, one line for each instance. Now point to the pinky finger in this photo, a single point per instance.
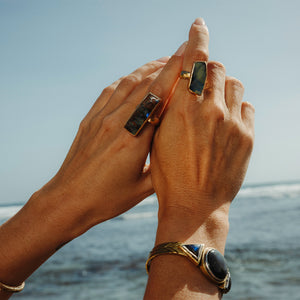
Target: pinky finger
pixel 248 112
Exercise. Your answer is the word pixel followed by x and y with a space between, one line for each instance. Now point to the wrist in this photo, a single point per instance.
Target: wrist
pixel 190 226
pixel 66 217
pixel 187 227
pixel 30 237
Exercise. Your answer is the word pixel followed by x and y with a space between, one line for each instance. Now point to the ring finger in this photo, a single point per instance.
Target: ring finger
pixel 159 91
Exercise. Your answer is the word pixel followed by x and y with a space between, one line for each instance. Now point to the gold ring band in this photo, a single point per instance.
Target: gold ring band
pixel 154 120
pixel 143 114
pixel 185 75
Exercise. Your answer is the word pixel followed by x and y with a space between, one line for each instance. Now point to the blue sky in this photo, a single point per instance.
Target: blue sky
pixel 57 56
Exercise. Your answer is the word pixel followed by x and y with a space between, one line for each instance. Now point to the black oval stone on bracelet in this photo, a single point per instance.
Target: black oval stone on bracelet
pixel 209 260
pixel 217 264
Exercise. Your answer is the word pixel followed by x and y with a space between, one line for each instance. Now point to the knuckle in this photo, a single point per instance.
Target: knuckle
pixel 155 64
pixel 248 105
pixel 108 91
pixel 84 125
pixel 157 90
pixel 148 81
pixel 199 53
pixel 218 112
pixel 215 66
pixel 130 80
pixel 209 92
pixel 148 67
pixel 251 142
pixel 109 123
pixel 240 132
pixel 121 78
pixel 235 127
pixel 216 79
pixel 247 140
pixel 133 78
pixel 214 112
pixel 234 83
pixel 129 106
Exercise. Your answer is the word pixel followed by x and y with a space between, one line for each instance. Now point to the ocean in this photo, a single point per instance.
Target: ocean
pixel 108 262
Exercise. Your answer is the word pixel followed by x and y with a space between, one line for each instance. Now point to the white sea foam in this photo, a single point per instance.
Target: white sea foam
pixel 271 191
pixel 141 215
pixel 275 191
pixel 280 190
pixel 8 211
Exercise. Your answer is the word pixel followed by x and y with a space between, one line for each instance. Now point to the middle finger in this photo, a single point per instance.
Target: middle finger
pixel 196 50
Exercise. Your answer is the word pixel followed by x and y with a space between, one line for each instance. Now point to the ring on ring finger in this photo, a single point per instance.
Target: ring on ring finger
pixel 143 114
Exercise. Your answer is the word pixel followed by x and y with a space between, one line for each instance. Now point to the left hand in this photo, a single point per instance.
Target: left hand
pixel 103 174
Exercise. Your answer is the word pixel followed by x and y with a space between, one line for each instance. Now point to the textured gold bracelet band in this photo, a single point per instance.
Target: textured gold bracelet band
pixel 174 248
pixel 12 289
pixel 207 259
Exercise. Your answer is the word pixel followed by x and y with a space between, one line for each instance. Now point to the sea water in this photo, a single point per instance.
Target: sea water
pixel 108 262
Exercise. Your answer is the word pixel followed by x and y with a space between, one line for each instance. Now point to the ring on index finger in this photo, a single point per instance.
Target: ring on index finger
pixel 196 78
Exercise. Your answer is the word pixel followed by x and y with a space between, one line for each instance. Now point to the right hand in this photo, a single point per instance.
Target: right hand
pixel 202 148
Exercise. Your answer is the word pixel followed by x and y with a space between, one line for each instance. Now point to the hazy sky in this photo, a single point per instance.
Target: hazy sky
pixel 57 56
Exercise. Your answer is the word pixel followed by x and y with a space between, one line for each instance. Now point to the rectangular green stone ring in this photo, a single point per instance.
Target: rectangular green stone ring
pixel 142 114
pixel 198 78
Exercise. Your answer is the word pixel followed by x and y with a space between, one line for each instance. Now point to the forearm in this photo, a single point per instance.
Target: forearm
pixel 175 277
pixel 99 179
pixel 29 238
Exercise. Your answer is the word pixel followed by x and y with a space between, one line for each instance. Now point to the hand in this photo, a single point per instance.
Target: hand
pixel 103 174
pixel 199 159
pixel 202 148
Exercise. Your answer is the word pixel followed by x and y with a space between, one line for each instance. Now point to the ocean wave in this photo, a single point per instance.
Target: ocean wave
pixel 274 191
pixel 8 211
pixel 140 215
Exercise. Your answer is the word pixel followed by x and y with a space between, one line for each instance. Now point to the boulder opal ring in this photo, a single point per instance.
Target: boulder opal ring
pixel 196 78
pixel 143 114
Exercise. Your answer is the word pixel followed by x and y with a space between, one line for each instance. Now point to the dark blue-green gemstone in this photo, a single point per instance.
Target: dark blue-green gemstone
pixel 217 264
pixel 198 77
pixel 142 113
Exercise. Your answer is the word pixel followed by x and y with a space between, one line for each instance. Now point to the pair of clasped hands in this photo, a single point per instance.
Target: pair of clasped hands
pixel 199 156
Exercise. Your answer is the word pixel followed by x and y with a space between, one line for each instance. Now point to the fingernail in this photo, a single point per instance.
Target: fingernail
pixel 181 49
pixel 164 59
pixel 199 21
